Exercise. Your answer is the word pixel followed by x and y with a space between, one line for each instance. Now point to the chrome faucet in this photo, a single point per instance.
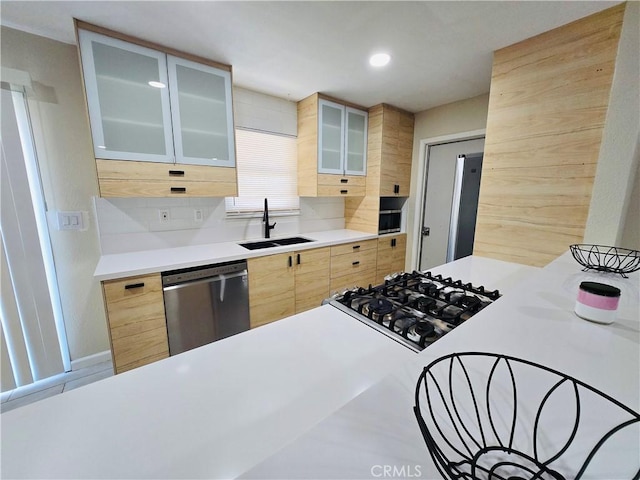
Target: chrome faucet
pixel 265 219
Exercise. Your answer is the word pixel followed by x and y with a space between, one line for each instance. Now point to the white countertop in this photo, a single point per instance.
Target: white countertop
pixel 212 412
pixel 534 321
pixel 151 261
pixel 216 411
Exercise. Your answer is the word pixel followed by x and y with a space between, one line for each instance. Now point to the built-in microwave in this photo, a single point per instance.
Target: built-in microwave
pixel 390 221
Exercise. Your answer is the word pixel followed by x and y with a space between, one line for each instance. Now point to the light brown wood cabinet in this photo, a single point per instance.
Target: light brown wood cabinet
pixel 312 269
pixel 311 183
pixel 137 325
pixel 390 150
pixel 353 264
pixel 284 284
pixel 126 178
pixel 173 140
pixel 391 255
pixel 389 156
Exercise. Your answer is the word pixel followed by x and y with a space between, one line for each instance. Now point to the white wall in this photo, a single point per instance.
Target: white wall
pixel 62 139
pixel 618 159
pixel 132 224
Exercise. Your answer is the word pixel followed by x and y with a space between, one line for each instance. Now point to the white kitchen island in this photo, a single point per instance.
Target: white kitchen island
pixel 533 321
pixel 311 396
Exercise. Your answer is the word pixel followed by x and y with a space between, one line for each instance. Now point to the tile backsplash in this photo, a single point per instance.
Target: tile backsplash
pixel 134 224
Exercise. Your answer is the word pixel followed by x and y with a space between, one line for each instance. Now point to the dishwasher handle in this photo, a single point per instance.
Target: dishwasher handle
pixel 213 278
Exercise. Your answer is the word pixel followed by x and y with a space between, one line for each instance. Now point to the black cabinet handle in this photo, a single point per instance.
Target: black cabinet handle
pixel 344 192
pixel 355 247
pixel 344 180
pixel 290 261
pixel 355 263
pixel 176 173
pixel 396 189
pixel 393 242
pixel 298 259
pixel 134 285
pixel 178 189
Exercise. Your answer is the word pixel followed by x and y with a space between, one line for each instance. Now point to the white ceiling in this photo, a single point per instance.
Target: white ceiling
pixel 441 51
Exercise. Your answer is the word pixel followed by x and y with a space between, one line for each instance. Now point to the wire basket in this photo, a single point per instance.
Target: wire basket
pixel 606 259
pixel 494 417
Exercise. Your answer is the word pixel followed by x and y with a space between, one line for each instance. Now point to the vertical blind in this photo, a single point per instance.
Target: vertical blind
pixel 267 168
pixel 32 329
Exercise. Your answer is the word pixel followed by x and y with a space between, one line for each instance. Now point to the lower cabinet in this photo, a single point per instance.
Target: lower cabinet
pixel 137 325
pixel 312 269
pixel 391 255
pixel 287 283
pixel 353 264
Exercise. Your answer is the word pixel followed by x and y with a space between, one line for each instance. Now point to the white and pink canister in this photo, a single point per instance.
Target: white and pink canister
pixel 597 302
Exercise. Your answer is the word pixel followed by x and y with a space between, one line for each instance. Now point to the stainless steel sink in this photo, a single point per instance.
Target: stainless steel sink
pixel 277 242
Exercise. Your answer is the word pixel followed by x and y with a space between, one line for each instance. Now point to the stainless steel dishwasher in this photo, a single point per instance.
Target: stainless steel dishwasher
pixel 205 304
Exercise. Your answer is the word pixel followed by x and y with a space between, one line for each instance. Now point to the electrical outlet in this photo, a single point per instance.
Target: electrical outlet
pixel 164 216
pixel 197 215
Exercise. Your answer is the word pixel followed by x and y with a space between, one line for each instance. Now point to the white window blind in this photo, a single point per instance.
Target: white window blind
pixel 267 168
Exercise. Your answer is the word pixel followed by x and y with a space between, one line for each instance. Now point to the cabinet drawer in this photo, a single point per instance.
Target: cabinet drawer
pixel 362 278
pixel 342 180
pixel 156 188
pixel 137 179
pixel 354 247
pixel 341 191
pixel 353 262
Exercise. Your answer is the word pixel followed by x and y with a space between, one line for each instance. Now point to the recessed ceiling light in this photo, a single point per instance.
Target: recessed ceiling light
pixel 157 84
pixel 379 59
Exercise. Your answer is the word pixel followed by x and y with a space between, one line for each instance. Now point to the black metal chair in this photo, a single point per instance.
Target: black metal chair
pixel 496 417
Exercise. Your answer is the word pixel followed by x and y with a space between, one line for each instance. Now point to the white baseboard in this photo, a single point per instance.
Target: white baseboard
pixel 90 360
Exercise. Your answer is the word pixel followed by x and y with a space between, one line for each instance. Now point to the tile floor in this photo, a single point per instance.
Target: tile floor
pixel 54 385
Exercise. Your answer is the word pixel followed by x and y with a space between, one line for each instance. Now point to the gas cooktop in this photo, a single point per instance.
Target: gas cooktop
pixel 415 309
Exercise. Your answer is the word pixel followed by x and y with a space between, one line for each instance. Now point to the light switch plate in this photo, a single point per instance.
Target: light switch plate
pixel 70 220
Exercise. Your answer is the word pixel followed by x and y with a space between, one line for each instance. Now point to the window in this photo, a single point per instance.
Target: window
pixel 267 168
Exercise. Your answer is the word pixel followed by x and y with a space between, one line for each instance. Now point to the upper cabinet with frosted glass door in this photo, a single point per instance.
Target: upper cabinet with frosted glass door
pixel 149 107
pixel 201 112
pixel 342 139
pixel 128 99
pixel 332 148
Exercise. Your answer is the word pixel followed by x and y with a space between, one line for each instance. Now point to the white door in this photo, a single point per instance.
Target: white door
pixel 201 113
pixel 438 196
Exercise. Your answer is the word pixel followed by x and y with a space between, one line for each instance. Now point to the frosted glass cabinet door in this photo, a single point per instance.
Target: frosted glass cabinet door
pixel 330 137
pixel 202 114
pixel 130 119
pixel 356 142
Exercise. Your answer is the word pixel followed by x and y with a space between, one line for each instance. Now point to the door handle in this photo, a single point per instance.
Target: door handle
pixel 298 260
pixel 426 231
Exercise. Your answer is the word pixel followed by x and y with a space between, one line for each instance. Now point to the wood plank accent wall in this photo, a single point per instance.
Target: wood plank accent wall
pixel 547 108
